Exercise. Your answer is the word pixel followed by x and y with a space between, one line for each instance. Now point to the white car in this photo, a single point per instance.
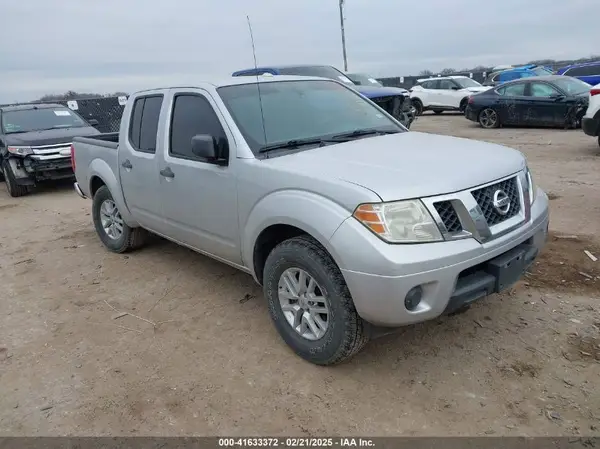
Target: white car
pixel 591 120
pixel 443 93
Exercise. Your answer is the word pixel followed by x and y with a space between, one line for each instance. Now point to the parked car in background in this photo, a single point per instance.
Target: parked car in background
pixel 445 93
pixel 492 78
pixel 394 100
pixel 588 72
pixel 35 143
pixel 591 120
pixel 347 220
pixel 525 71
pixel 552 100
pixel 360 79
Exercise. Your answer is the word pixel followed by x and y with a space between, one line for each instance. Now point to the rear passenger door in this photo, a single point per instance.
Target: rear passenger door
pixel 429 94
pixel 199 197
pixel 137 162
pixel 513 103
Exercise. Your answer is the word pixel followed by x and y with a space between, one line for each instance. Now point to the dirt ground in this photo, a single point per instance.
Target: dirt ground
pixel 202 357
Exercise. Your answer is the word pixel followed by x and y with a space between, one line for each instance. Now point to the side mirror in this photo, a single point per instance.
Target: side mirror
pixel 558 97
pixel 93 122
pixel 204 147
pixel 455 88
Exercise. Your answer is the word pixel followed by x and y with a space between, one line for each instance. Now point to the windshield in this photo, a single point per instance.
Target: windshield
pixel 25 120
pixel 541 71
pixel 322 71
pixel 299 110
pixel 466 82
pixel 364 80
pixel 572 86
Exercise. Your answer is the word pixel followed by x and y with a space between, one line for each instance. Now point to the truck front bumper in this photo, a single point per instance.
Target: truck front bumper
pixel 449 274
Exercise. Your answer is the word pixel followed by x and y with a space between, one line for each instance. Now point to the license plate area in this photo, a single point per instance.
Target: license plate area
pixel 509 267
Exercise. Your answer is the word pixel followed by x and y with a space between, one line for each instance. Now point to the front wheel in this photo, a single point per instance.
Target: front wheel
pixel 114 233
pixel 310 303
pixel 488 118
pixel 12 187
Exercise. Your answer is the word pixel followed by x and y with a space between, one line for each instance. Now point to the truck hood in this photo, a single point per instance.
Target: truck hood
pixel 49 136
pixel 376 92
pixel 406 165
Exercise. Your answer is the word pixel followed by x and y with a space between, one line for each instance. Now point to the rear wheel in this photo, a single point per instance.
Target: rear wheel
pixel 488 118
pixel 310 303
pixel 114 233
pixel 418 106
pixel 15 190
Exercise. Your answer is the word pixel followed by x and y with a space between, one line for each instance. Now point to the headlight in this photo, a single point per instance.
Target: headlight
pixel 21 151
pixel 532 190
pixel 399 222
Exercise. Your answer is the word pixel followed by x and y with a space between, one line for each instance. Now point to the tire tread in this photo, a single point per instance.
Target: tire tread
pixel 357 333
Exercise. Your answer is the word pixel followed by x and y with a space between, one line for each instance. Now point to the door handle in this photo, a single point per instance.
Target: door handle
pixel 167 173
pixel 127 164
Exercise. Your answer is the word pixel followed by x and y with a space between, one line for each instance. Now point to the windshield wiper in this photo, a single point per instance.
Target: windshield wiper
pixel 21 131
pixel 294 143
pixel 360 133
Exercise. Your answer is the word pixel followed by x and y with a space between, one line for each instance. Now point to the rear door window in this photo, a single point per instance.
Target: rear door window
pixel 514 90
pixel 144 123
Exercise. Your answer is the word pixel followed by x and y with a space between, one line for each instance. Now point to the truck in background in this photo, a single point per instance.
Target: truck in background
pixel 35 144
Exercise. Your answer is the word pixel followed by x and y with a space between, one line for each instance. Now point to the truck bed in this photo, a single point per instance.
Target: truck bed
pixel 95 154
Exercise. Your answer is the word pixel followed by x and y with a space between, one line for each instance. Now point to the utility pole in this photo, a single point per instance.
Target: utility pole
pixel 343 35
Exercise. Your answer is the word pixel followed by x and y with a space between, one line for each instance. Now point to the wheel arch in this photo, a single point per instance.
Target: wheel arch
pixel 283 215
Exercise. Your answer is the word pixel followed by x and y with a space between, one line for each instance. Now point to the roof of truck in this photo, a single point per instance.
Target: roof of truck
pixel 23 107
pixel 238 80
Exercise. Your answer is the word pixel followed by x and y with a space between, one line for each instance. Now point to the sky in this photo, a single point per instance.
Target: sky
pixel 51 46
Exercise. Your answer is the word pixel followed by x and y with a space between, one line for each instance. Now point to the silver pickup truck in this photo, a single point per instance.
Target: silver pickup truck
pixel 348 221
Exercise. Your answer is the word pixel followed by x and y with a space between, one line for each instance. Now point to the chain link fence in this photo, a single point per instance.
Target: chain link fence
pixel 107 111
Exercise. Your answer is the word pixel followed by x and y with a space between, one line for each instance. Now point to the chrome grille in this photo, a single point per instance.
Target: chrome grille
pixel 485 199
pixel 49 152
pixel 448 215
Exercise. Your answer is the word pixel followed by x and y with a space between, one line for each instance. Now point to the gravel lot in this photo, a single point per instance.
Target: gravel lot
pixel 202 357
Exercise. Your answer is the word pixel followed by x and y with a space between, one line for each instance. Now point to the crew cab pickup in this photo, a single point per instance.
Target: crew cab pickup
pixel 347 220
pixel 35 142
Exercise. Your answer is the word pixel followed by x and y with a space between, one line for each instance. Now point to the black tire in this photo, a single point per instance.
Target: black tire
pixel 347 332
pixel 598 140
pixel 491 123
pixel 463 105
pixel 438 111
pixel 15 190
pixel 130 239
pixel 418 106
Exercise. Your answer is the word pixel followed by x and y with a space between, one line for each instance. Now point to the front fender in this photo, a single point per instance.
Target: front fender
pixel 314 214
pixel 100 169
